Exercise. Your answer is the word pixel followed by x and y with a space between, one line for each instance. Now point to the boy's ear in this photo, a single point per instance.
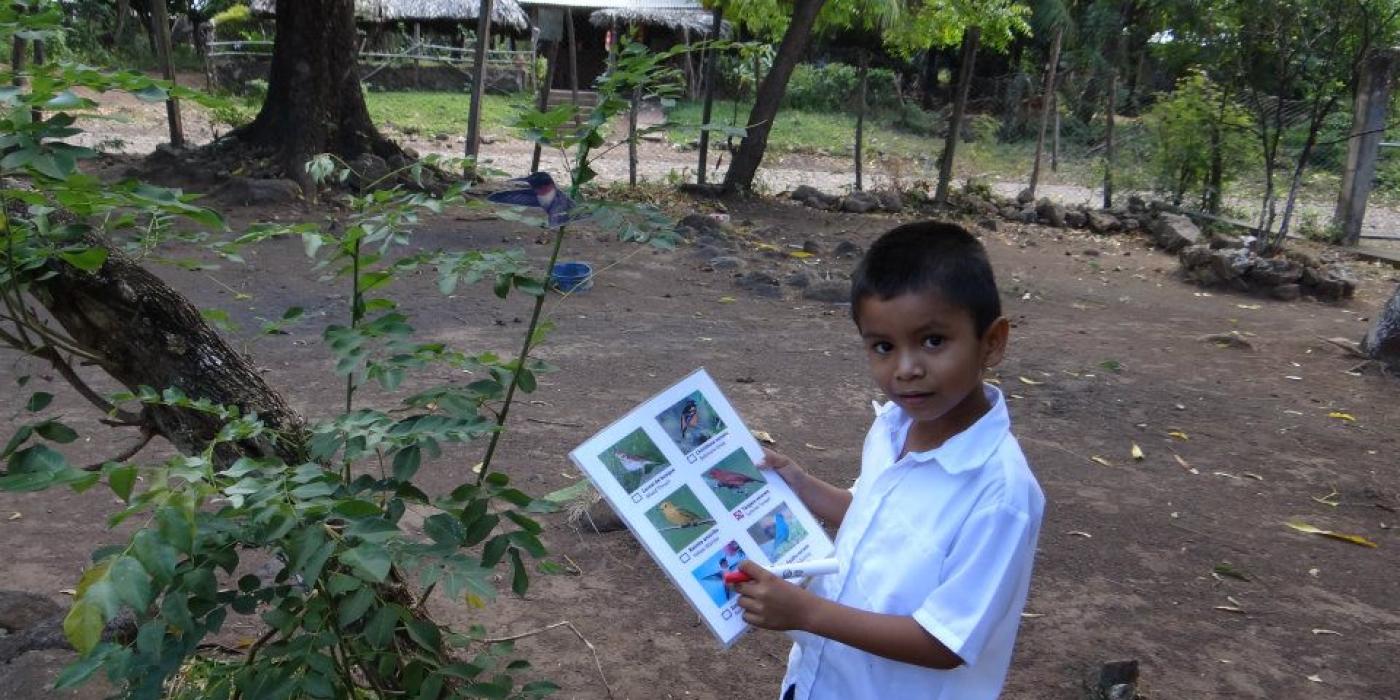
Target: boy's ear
pixel 994 342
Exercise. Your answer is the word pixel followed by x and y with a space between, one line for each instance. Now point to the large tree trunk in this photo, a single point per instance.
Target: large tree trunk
pixel 1045 101
pixel 148 334
pixel 1383 342
pixel 744 167
pixel 967 58
pixel 314 104
pixel 711 58
pixel 483 42
pixel 860 116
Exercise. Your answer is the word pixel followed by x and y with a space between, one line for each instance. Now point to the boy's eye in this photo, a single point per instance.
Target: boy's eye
pixel 881 347
pixel 933 341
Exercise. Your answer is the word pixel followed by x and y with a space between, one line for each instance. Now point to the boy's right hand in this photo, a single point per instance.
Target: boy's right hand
pixel 783 465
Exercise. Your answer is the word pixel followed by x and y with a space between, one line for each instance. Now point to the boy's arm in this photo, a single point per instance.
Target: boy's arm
pixel 827 502
pixel 773 603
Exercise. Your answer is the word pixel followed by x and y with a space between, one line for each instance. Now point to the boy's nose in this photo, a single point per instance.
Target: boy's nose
pixel 909 367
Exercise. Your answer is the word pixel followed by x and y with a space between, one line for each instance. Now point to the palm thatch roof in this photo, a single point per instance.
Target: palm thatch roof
pixel 504 13
pixel 695 20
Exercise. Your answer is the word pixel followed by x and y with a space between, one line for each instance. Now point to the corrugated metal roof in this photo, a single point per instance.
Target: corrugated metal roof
pixel 617 4
pixel 506 13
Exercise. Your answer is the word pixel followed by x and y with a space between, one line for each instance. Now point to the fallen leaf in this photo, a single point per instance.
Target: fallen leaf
pixel 245 642
pixel 15 516
pixel 1234 602
pixel 814 447
pixel 1185 465
pixel 1178 435
pixel 1313 573
pixel 1032 382
pixel 1323 631
pixel 993 380
pixel 1225 569
pixel 1137 454
pixel 1342 416
pixel 1293 377
pixel 1311 530
pixel 1179 407
pixel 67 591
pixel 1251 307
pixel 1102 461
pixel 1252 475
pixel 1079 533
pixel 1226 475
pixel 1032 616
pixel 476 468
pixel 763 437
pixel 800 255
pixel 1315 678
pixel 726 300
pixel 1230 609
pixel 1330 499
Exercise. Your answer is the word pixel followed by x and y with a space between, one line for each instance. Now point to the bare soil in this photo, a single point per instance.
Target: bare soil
pixel 1128 548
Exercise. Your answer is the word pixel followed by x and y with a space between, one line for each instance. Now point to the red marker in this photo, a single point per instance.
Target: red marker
pixel 801 569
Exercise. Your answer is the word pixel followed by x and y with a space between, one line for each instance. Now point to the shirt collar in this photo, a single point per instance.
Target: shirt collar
pixel 968 449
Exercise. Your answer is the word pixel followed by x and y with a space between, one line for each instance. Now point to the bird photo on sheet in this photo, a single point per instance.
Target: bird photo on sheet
pixel 680 518
pixel 691 422
pixel 711 573
pixel 734 479
pixel 777 532
pixel 633 460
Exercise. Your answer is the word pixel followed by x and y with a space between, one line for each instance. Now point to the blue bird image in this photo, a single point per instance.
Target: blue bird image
pixel 780 533
pixel 542 193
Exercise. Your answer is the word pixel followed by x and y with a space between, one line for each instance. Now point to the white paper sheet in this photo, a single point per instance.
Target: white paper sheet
pixel 679 469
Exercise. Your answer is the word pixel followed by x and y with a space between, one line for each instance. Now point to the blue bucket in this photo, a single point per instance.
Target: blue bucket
pixel 571 277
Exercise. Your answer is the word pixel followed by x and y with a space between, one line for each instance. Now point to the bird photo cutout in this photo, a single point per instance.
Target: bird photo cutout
pixel 633 460
pixel 711 572
pixel 777 532
pixel 691 422
pixel 680 518
pixel 734 479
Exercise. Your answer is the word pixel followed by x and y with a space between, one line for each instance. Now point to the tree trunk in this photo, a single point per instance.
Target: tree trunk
pixel 966 59
pixel 1055 132
pixel 711 58
pixel 1112 107
pixel 1313 129
pixel 123 10
pixel 1383 341
pixel 860 115
pixel 744 166
pixel 314 103
pixel 148 334
pixel 573 62
pixel 483 40
pixel 550 61
pixel 160 22
pixel 1045 106
pixel 1363 147
pixel 19 55
pixel 632 137
pixel 1216 179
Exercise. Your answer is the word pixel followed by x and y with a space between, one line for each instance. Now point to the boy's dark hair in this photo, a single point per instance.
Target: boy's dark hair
pixel 929 256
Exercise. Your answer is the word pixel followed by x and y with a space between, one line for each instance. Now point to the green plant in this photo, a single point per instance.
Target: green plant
pixel 834 87
pixel 235 23
pixel 1188 128
pixel 1311 227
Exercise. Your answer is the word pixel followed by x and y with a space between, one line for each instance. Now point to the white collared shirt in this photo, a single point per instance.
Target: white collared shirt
pixel 946 536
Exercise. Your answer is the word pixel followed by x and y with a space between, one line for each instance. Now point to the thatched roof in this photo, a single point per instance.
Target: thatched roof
pixel 504 13
pixel 697 21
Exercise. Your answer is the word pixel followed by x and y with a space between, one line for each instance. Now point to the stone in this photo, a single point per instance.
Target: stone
pixel 725 263
pixel 798 279
pixel 988 223
pixel 1010 213
pixel 811 247
pixel 703 224
pixel 1115 680
pixel 20 610
pixel 1025 196
pixel 253 191
pixel 814 197
pixel 860 203
pixel 1334 284
pixel 1136 204
pixel 1050 213
pixel 685 233
pixel 1225 240
pixel 847 249
pixel 31 676
pixel 1091 253
pixel 830 291
pixel 1382 342
pixel 890 200
pixel 1174 232
pixel 761 283
pixel 1131 224
pixel 1274 272
pixel 1028 215
pixel 368 168
pixel 1102 222
pixel 1076 219
pixel 1286 292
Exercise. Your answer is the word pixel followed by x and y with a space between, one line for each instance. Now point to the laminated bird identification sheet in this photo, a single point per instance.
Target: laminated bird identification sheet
pixel 680 471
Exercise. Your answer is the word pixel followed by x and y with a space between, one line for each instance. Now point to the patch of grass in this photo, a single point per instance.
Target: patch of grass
pixel 801 131
pixel 433 113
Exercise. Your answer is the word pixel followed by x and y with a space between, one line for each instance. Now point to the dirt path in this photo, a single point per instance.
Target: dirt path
pixel 1128 550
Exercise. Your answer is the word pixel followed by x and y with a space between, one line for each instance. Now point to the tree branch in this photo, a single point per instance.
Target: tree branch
pixel 146 434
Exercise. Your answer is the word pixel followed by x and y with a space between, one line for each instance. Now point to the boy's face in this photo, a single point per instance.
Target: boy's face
pixel 926 355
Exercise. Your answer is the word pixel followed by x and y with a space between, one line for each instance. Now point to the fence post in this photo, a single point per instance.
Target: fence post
pixel 1367 129
pixel 483 39
pixel 161 18
pixel 711 56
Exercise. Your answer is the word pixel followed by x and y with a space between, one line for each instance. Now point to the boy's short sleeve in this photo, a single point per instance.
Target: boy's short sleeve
pixel 981 578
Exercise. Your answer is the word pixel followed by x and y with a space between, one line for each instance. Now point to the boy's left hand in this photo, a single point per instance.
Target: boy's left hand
pixel 772 603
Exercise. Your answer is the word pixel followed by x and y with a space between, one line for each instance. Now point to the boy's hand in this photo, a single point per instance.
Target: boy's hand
pixel 783 465
pixel 772 603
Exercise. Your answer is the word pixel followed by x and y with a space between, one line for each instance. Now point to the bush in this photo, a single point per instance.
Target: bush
pixel 983 128
pixel 1179 128
pixel 237 22
pixel 917 120
pixel 836 87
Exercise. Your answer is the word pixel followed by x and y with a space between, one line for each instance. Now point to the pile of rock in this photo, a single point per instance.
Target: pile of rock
pixel 858 202
pixel 1286 277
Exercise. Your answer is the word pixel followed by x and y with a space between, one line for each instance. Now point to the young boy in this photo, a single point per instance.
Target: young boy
pixel 937 537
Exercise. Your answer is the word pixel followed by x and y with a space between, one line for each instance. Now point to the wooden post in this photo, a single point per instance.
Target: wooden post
pixel 573 61
pixel 19 56
pixel 1367 129
pixel 36 115
pixel 161 19
pixel 711 57
pixel 417 44
pixel 860 115
pixel 1045 106
pixel 1055 136
pixel 966 59
pixel 551 59
pixel 483 39
pixel 1108 138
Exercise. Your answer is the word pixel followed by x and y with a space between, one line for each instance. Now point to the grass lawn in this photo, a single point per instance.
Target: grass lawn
pixel 800 131
pixel 433 113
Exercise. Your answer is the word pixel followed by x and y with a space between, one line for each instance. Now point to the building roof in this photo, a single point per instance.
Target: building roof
pixel 504 13
pixel 617 4
pixel 696 21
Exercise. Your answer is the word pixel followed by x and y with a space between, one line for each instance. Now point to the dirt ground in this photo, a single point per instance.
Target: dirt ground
pixel 1127 551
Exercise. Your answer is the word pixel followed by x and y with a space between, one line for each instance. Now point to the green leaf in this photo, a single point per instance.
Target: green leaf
pixel 340 584
pixel 445 529
pixel 37 459
pixel 406 462
pixel 55 431
pixel 19 438
pixel 38 401
pixel 520 578
pixel 527 524
pixel 426 634
pixel 76 673
pixel 83 625
pixel 502 286
pixel 380 630
pixel 156 556
pixel 370 561
pixel 354 607
pixel 525 379
pixel 481 528
pixel 130 582
pixel 86 259
pixel 494 550
pixel 122 480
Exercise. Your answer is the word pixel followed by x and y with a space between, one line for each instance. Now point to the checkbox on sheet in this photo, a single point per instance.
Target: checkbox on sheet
pixel 725 614
pixel 684 557
pixel 636 498
pixel 692 458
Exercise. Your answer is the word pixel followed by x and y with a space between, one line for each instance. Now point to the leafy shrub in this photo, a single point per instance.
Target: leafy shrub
pixel 917 120
pixel 237 22
pixel 836 87
pixel 1181 127
pixel 983 128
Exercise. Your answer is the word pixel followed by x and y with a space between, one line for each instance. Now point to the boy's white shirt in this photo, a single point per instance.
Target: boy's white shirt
pixel 947 536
